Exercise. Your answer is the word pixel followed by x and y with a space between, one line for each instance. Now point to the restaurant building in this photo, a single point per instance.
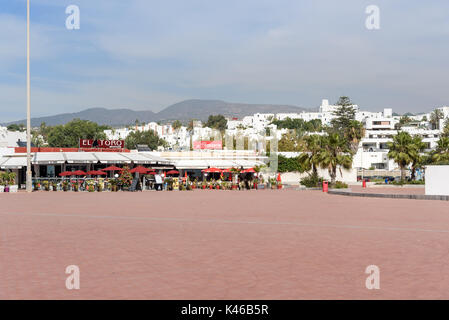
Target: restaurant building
pixel 50 162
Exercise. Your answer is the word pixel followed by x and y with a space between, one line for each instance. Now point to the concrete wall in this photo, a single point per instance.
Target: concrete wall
pixel 437 180
pixel 293 178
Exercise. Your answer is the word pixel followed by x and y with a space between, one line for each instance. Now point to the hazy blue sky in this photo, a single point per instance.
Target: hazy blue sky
pixel 147 54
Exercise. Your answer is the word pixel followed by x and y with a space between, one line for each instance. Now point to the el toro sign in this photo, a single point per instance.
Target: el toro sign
pixel 106 144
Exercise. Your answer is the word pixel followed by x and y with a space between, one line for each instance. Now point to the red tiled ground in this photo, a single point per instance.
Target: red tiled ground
pixel 221 245
pixel 416 189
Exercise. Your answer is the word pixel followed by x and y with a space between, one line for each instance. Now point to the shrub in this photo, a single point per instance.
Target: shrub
pixel 288 164
pixel 340 185
pixel 401 183
pixel 312 181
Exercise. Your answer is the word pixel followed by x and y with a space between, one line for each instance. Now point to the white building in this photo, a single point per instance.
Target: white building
pixel 11 138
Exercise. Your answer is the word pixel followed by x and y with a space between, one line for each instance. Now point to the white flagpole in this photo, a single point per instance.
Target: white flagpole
pixel 28 172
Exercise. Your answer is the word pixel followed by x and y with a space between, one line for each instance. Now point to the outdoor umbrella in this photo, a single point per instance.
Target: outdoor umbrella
pixel 250 170
pixel 78 173
pixel 112 168
pixel 96 172
pixel 65 174
pixel 139 169
pixel 173 172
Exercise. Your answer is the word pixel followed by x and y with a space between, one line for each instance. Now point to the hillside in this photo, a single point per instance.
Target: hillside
pixel 184 111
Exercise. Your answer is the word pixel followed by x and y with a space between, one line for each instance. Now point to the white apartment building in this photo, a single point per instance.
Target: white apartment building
pixel 380 129
pixel 9 139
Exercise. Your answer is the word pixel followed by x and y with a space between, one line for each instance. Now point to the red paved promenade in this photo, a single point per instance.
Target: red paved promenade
pixel 221 245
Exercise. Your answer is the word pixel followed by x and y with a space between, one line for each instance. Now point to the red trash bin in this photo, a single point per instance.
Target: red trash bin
pixel 364 183
pixel 325 186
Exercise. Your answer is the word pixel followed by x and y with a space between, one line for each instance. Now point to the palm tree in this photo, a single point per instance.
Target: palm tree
pixel 435 117
pixel 441 152
pixel 416 154
pixel 310 156
pixel 402 151
pixel 354 133
pixel 335 153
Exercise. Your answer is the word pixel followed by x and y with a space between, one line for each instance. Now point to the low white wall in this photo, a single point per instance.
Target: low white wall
pixel 348 176
pixel 437 180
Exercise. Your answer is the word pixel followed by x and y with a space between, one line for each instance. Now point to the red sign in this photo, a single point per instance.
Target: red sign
pixel 107 144
pixel 208 145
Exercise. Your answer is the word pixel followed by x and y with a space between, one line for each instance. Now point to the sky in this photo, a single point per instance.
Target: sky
pixel 147 55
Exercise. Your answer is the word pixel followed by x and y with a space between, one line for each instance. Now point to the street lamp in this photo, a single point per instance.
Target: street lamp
pixel 28 173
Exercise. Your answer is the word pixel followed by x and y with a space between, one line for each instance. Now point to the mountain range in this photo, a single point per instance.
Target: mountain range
pixel 183 111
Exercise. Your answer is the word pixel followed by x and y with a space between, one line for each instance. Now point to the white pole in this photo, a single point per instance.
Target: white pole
pixel 28 172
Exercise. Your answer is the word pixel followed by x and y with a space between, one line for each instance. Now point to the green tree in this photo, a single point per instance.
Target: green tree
pixel 149 138
pixel 309 159
pixel 37 140
pixel 68 135
pixel 345 124
pixel 191 125
pixel 402 151
pixel 289 164
pixel 354 133
pixel 445 132
pixel 16 127
pixel 218 122
pixel 441 152
pixel 176 125
pixel 416 154
pixel 335 154
pixel 44 130
pixel 344 114
pixel 435 117
pixel 289 142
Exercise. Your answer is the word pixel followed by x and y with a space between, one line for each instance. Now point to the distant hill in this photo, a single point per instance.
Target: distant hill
pixel 201 109
pixel 185 110
pixel 100 115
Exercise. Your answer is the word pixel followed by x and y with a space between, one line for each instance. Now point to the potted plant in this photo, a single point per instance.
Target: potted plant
pixel 169 182
pixel 75 186
pixel 272 182
pixel 279 184
pixel 100 185
pixel 54 186
pixel 113 183
pixel 90 185
pixel 203 185
pixel 3 181
pixel 46 185
pixel 11 182
pixel 65 185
